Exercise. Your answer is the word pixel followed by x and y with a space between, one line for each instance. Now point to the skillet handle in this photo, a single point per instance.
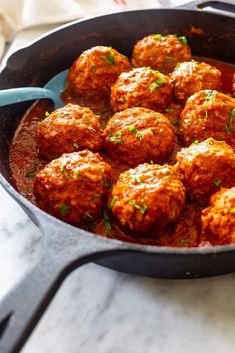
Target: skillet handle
pixel 223 6
pixel 22 308
pixel 17 95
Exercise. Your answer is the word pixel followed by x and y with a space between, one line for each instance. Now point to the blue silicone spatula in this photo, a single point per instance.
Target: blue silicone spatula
pixel 52 90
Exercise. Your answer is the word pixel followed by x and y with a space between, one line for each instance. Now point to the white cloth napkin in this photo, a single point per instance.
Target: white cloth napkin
pixel 16 15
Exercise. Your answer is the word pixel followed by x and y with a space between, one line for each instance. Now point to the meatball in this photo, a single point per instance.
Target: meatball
pixel 218 220
pixel 71 128
pixel 191 76
pixel 138 135
pixel 161 52
pixel 148 196
pixel 141 87
pixel 95 70
pixel 206 167
pixel 73 187
pixel 206 114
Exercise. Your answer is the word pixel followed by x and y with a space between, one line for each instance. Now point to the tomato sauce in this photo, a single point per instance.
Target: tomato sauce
pixel 25 164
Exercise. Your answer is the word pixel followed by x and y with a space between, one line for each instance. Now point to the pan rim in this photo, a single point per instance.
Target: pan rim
pixel 39 213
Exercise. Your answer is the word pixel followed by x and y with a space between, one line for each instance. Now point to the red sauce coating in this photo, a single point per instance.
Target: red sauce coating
pixel 25 163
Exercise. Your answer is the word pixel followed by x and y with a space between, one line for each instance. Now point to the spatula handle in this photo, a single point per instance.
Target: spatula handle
pixel 17 95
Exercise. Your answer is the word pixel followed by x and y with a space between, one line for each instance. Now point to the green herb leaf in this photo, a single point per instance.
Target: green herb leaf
pixel 75 146
pixel 141 208
pixel 229 127
pixel 157 36
pixel 175 122
pixel 91 226
pixel 106 183
pixel 168 58
pixel 166 177
pixel 112 202
pixel 122 100
pixel 30 174
pixel 183 39
pixel 109 59
pixel 217 181
pixel 107 221
pixel 96 197
pixel 184 241
pixel 210 94
pixel 116 138
pixel 233 210
pixel 47 113
pixel 138 180
pixel 64 209
pixel 133 129
pixel 156 84
pixel 169 110
pixel 196 142
pixel 63 171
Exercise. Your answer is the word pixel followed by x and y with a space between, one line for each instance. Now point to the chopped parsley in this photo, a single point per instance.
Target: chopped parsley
pixel 106 183
pixel 75 146
pixel 47 113
pixel 122 100
pixel 229 127
pixel 76 173
pixel 109 59
pixel 112 202
pixel 183 40
pixel 138 180
pixel 233 210
pixel 32 172
pixel 210 94
pixel 217 182
pixel 169 110
pixel 64 209
pixel 184 241
pixel 107 221
pixel 166 177
pixel 157 36
pixel 91 226
pixel 175 122
pixel 96 197
pixel 156 84
pixel 168 58
pixel 63 171
pixel 133 129
pixel 116 138
pixel 141 208
pixel 196 142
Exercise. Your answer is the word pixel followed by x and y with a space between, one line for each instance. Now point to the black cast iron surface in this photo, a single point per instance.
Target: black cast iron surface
pixel 64 246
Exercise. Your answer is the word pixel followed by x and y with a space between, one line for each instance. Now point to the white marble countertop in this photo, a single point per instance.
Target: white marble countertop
pixel 118 313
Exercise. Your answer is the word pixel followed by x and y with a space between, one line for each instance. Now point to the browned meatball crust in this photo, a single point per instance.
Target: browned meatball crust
pixel 68 129
pixel 148 196
pixel 73 187
pixel 95 70
pixel 160 52
pixel 207 114
pixel 218 220
pixel 138 135
pixel 191 76
pixel 141 87
pixel 206 167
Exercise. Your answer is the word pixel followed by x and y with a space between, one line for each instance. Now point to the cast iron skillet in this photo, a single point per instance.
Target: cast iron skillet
pixel 65 247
